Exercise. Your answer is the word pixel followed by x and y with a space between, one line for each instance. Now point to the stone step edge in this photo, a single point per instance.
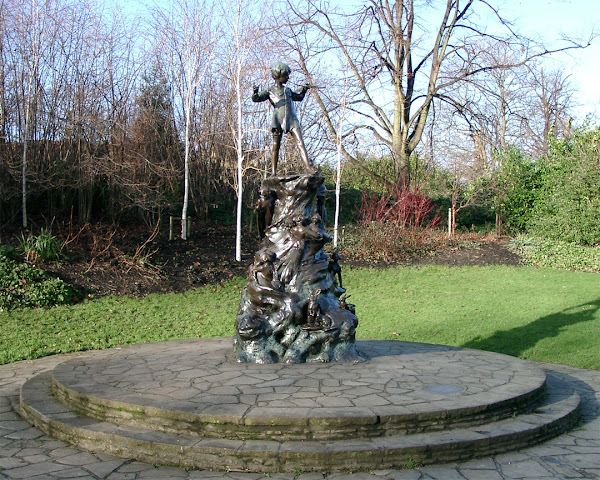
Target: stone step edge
pixel 555 416
pixel 278 427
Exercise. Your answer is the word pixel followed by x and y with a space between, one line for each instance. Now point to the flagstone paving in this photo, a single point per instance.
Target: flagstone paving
pixel 402 388
pixel 26 453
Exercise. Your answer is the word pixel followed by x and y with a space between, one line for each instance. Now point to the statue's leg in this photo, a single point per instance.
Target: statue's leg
pixel 302 149
pixel 275 152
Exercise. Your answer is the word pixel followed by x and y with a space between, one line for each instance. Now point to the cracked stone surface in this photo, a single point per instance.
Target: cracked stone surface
pixel 398 378
pixel 26 453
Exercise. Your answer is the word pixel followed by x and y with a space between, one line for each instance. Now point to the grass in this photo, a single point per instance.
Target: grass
pixel 113 321
pixel 538 314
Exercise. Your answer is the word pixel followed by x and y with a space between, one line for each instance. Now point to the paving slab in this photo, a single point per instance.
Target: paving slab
pixel 401 386
pixel 103 468
pixel 159 438
pixel 554 455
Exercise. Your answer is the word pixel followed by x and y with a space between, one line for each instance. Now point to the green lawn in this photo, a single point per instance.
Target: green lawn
pixel 538 314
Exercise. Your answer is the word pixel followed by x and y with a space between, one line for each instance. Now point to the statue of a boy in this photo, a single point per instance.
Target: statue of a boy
pixel 284 114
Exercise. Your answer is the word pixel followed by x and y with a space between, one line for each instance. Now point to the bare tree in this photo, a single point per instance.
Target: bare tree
pixel 499 110
pixel 32 29
pixel 502 108
pixel 550 108
pixel 3 74
pixel 422 61
pixel 187 34
pixel 242 20
pixel 61 68
pixel 153 153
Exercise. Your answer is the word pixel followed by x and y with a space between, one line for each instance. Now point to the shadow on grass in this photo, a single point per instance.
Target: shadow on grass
pixel 516 340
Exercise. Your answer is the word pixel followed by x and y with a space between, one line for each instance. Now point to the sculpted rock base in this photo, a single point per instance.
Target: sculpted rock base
pixel 293 308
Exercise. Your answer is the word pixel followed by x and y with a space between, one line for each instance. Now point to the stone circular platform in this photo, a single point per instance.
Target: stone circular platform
pixel 187 403
pixel 402 386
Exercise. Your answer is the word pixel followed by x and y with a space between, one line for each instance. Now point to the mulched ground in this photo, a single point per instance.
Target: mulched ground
pixel 474 252
pixel 103 260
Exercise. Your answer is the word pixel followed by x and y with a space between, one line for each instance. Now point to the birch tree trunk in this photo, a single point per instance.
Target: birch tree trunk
pixel 186 167
pixel 244 25
pixel 32 27
pixel 187 33
pixel 338 178
pixel 240 155
pixel 338 181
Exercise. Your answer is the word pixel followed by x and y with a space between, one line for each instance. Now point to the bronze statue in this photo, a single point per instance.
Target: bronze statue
pixel 290 309
pixel 263 271
pixel 284 115
pixel 347 305
pixel 334 267
pixel 321 193
pixel 313 311
pixel 265 206
pixel 316 319
pixel 318 236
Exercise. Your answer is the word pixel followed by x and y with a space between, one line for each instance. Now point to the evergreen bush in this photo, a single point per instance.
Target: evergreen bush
pixel 568 206
pixel 518 184
pixel 23 285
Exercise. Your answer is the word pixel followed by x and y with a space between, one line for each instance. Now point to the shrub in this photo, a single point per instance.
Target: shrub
pixel 556 254
pixel 8 251
pixel 518 183
pixel 396 222
pixel 479 218
pixel 568 208
pixel 23 285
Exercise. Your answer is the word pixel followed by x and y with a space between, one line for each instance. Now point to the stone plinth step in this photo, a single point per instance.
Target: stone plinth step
pixel 402 388
pixel 285 423
pixel 556 414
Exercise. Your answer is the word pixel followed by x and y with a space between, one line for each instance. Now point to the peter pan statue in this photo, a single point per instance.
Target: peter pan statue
pixel 284 114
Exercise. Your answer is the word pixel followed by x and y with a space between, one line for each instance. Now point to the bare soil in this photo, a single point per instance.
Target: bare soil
pixel 470 251
pixel 106 260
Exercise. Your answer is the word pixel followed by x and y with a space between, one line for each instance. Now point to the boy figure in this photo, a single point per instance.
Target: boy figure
pixel 284 114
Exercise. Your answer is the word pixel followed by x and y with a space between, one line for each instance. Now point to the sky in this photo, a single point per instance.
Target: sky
pixel 548 20
pixel 545 20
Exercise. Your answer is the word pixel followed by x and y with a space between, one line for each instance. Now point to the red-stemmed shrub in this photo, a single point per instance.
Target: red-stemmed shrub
pixel 395 223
